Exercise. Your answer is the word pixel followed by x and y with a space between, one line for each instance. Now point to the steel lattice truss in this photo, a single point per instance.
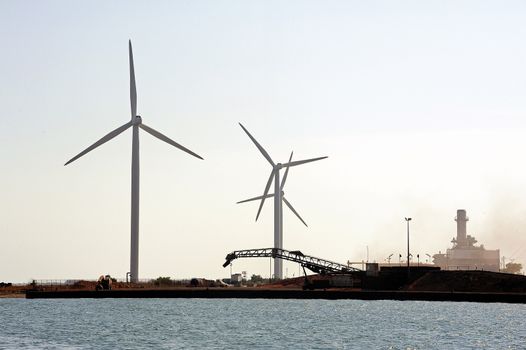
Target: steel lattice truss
pixel 312 263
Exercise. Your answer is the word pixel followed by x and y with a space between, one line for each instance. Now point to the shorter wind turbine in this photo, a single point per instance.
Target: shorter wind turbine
pixel 136 123
pixel 278 197
pixel 287 203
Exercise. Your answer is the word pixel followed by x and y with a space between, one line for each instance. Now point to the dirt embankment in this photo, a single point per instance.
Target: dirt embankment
pixel 432 281
pixel 10 291
pixel 7 290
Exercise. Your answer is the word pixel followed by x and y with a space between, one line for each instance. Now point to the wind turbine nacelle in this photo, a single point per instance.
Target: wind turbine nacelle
pixel 137 120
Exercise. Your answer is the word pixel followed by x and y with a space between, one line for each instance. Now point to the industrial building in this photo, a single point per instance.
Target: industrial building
pixel 465 255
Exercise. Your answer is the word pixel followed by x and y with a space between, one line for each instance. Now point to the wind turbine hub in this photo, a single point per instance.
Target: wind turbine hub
pixel 137 120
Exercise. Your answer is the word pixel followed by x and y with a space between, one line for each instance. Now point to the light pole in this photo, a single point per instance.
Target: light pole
pixel 407 220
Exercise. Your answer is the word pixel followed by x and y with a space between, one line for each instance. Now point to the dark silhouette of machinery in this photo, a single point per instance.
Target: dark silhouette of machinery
pixel 312 263
pixel 104 283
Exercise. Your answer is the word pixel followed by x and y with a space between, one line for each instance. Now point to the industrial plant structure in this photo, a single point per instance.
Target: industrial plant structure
pixel 465 255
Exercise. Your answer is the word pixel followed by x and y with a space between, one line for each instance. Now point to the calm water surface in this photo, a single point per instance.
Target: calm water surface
pixel 258 324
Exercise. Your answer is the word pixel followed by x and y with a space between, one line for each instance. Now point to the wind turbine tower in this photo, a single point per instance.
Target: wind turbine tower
pixel 135 123
pixel 279 198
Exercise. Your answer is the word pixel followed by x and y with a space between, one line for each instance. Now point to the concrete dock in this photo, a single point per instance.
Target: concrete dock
pixel 279 293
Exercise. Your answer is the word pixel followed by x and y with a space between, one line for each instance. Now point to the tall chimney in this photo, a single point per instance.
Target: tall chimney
pixel 461 220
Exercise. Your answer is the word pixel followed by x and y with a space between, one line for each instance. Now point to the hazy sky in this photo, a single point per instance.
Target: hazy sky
pixel 420 106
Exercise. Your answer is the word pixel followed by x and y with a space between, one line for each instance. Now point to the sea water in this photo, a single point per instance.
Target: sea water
pixel 258 324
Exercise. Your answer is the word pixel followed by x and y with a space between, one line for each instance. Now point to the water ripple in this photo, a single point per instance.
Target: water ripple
pixel 258 324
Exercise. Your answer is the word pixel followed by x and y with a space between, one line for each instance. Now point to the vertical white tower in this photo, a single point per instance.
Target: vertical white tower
pixel 134 224
pixel 278 241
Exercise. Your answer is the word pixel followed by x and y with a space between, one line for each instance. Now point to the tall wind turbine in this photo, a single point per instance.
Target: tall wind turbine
pixel 136 123
pixel 278 197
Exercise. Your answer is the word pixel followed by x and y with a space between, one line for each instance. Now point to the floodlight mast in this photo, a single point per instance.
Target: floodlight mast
pixel 408 254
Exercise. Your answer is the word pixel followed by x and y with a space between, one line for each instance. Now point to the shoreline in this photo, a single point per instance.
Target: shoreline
pixel 12 296
pixel 268 293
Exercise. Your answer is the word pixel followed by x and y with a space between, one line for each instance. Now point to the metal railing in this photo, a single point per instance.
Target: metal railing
pixel 73 282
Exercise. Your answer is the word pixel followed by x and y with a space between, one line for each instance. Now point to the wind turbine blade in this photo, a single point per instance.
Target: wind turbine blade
pixel 133 89
pixel 261 149
pixel 269 182
pixel 286 173
pixel 167 140
pixel 255 198
pixel 101 141
pixel 299 162
pixel 293 210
